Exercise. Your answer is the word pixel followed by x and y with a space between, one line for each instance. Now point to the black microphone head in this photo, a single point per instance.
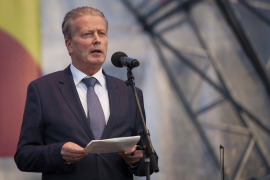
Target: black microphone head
pixel 115 58
pixel 135 63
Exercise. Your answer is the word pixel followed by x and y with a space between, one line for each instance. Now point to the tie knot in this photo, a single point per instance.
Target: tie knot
pixel 90 81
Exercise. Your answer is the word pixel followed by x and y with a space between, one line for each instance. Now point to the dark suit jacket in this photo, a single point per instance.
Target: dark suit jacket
pixel 54 115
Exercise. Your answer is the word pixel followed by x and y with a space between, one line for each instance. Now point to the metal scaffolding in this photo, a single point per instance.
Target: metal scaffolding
pixel 151 14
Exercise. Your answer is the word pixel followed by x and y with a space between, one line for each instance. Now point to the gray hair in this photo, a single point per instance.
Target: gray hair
pixel 67 27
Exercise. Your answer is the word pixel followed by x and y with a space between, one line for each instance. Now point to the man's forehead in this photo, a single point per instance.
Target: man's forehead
pixel 88 21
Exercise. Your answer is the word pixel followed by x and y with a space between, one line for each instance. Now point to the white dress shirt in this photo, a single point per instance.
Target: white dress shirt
pixel 100 89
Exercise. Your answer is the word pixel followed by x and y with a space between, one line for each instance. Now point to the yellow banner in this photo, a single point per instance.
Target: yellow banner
pixel 21 20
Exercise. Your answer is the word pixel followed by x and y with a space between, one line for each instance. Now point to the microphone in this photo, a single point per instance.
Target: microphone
pixel 120 59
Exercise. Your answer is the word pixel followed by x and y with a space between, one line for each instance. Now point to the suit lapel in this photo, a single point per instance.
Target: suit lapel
pixel 69 91
pixel 113 93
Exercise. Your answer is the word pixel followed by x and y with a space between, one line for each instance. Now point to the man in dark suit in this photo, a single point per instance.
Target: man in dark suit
pixel 57 124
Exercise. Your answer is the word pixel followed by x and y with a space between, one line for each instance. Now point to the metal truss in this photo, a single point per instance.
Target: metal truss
pixel 146 13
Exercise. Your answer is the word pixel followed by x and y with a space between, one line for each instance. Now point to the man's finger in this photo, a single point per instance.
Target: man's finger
pixel 67 154
pixel 72 152
pixel 129 159
pixel 73 148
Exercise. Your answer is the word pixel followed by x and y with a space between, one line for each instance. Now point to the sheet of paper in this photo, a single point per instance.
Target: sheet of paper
pixel 112 145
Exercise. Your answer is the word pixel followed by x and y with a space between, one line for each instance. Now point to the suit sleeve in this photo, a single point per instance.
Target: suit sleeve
pixel 139 170
pixel 32 154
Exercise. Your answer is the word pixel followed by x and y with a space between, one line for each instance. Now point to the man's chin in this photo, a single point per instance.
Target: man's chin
pixel 98 62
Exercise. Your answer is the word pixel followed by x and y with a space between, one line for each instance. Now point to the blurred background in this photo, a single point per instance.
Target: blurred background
pixel 205 70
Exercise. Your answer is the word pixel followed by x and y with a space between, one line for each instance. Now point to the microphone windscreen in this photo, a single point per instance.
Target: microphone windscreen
pixel 115 58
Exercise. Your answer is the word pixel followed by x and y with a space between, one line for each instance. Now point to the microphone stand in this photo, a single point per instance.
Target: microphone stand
pixel 150 157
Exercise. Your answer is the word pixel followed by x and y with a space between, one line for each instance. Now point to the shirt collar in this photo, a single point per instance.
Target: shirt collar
pixel 78 76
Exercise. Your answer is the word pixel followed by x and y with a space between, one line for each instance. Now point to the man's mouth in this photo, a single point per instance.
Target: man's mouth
pixel 96 51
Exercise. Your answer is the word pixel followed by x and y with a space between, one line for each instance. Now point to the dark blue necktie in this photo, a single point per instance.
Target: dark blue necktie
pixel 95 111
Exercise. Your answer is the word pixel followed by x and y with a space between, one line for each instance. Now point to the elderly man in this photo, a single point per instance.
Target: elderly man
pixel 65 110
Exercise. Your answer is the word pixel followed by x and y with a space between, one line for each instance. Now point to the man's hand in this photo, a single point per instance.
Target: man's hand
pixel 131 159
pixel 72 152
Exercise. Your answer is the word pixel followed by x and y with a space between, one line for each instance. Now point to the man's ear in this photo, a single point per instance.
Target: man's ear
pixel 69 46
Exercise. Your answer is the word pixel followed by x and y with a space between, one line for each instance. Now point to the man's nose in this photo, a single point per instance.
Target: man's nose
pixel 96 38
